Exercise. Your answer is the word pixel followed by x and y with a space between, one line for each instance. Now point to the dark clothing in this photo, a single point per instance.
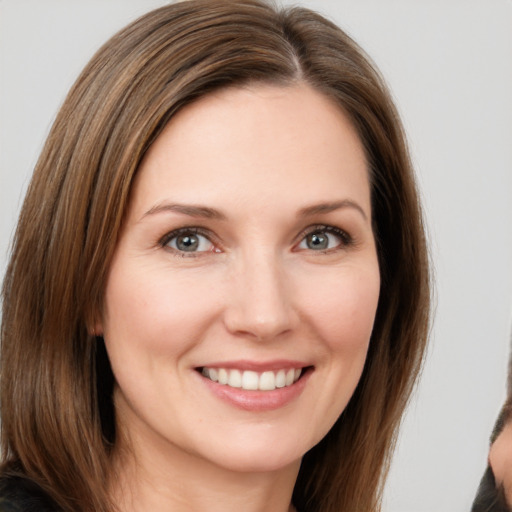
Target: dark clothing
pixel 19 494
pixel 490 498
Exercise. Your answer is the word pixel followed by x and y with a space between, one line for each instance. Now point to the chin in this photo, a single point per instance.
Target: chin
pixel 248 456
pixel 259 463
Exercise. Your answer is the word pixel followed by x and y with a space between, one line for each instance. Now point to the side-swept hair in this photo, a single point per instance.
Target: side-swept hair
pixel 58 421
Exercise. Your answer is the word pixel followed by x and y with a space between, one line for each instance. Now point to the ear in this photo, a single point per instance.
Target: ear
pixel 97 329
pixel 94 324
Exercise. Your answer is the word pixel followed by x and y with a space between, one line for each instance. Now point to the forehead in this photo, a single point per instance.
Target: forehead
pixel 256 140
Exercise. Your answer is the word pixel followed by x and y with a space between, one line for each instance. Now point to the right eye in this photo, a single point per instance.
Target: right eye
pixel 188 241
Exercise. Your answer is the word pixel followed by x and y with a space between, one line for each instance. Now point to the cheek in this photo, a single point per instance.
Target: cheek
pixel 156 309
pixel 500 457
pixel 342 308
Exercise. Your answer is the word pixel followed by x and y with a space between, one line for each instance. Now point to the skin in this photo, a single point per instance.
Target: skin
pixel 500 459
pixel 255 292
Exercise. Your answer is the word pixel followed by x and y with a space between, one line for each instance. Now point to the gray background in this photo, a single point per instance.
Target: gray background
pixel 449 64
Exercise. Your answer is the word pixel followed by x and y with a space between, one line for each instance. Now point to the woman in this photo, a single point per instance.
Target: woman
pixel 218 290
pixel 494 491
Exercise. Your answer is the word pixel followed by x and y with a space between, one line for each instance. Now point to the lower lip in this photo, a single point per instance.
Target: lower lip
pixel 258 401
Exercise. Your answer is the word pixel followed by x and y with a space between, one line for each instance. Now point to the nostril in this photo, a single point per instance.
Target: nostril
pixel 260 304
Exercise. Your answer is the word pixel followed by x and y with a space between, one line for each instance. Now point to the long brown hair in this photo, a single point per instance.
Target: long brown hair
pixel 58 420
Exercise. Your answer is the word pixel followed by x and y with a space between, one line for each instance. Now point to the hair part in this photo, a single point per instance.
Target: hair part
pixel 58 419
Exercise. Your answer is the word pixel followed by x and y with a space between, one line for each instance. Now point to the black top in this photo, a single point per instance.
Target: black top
pixel 18 494
pixel 489 498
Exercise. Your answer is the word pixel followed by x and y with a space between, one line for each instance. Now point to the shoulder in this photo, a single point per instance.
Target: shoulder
pixel 18 494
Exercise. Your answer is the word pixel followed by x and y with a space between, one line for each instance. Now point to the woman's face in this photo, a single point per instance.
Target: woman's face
pixel 242 294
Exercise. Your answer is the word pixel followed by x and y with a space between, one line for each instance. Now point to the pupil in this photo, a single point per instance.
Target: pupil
pixel 317 241
pixel 187 243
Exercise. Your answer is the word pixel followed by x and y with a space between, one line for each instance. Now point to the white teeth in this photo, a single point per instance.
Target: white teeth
pixel 235 379
pixel 267 381
pixel 223 376
pixel 280 379
pixel 252 381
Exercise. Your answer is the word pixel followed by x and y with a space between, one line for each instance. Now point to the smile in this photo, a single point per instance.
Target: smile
pixel 251 380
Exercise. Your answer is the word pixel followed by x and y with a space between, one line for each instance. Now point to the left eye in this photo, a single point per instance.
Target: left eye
pixel 323 240
pixel 189 241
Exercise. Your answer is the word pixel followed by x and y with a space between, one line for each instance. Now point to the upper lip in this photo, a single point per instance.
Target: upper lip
pixel 257 366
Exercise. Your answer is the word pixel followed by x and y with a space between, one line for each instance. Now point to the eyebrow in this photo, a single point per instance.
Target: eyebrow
pixel 206 212
pixel 324 208
pixel 186 209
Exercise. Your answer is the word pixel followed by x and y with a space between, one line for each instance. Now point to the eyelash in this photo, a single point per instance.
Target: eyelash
pixel 346 240
pixel 166 239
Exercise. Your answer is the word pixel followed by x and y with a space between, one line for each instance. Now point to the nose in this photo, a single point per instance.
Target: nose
pixel 260 305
